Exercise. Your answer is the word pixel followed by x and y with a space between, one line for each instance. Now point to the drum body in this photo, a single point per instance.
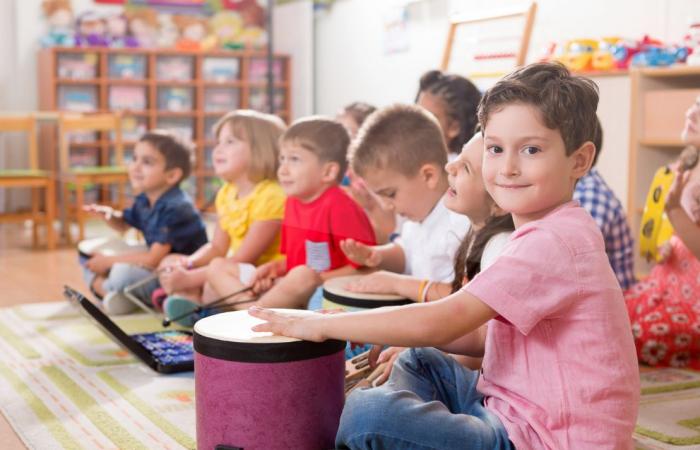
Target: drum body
pixel 336 296
pixel 258 391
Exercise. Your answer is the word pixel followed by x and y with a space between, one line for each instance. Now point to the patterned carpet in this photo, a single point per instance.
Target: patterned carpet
pixel 64 384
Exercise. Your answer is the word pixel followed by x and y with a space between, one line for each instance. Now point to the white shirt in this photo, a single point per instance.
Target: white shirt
pixel 429 246
pixel 493 249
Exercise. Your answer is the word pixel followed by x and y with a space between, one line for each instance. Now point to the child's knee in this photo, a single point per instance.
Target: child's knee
pixel 122 275
pixel 170 260
pixel 220 265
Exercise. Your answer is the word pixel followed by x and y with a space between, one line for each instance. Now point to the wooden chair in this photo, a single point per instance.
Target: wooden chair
pixel 79 177
pixel 31 177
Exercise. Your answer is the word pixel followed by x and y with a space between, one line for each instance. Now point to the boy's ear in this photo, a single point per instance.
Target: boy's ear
pixel 583 159
pixel 173 176
pixel 331 169
pixel 430 174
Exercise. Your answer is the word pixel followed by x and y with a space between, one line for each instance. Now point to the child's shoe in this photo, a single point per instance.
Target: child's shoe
pixel 158 297
pixel 115 303
pixel 175 307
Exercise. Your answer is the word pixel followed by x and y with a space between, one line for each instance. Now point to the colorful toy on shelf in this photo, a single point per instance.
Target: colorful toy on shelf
pixel 174 68
pixel 127 66
pixel 192 32
pixel 59 19
pixel 654 53
pixel 225 27
pixel 220 69
pixel 168 32
pixel 692 42
pixel 91 30
pixel 603 58
pixel 118 32
pixel 77 66
pixel 578 54
pixel 143 24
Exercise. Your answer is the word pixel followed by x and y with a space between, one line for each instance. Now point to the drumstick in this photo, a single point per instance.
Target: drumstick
pixel 167 321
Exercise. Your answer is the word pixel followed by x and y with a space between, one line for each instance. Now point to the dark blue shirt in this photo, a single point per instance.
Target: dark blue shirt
pixel 172 220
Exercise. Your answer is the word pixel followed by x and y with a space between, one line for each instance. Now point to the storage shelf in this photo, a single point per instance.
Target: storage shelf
pixel 673 144
pixel 146 68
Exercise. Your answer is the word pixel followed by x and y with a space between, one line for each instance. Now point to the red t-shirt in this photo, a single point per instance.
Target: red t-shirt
pixel 311 232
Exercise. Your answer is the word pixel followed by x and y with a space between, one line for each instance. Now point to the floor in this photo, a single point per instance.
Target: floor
pixel 31 276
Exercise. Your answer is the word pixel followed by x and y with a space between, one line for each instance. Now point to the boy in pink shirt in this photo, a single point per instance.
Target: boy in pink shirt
pixel 559 368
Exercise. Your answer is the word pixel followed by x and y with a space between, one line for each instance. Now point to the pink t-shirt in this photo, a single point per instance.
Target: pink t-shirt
pixel 560 368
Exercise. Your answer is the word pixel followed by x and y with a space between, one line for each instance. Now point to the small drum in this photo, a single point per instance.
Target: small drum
pixel 108 246
pixel 262 391
pixel 336 296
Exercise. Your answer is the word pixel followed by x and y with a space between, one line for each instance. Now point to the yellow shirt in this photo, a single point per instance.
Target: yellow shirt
pixel 236 215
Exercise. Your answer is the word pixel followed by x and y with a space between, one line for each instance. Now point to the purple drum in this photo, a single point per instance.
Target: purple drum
pixel 258 391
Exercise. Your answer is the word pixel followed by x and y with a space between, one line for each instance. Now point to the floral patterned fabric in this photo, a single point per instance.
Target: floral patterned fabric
pixel 664 311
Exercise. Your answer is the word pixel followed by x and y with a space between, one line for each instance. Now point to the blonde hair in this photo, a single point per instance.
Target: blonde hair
pixel 322 136
pixel 262 133
pixel 401 138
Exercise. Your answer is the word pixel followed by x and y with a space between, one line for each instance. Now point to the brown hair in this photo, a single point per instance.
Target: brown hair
pixel 461 99
pixel 467 261
pixel 359 111
pixel 399 137
pixel 566 102
pixel 262 132
pixel 176 153
pixel 322 136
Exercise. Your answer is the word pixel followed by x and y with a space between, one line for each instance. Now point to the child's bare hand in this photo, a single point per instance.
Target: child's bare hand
pixel 288 324
pixel 105 212
pixel 360 253
pixel 377 356
pixel 99 264
pixel 173 278
pixel 664 251
pixel 264 277
pixel 381 282
pixel 673 198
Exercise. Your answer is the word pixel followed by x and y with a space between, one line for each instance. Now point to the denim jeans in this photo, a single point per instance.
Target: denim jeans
pixel 122 275
pixel 429 402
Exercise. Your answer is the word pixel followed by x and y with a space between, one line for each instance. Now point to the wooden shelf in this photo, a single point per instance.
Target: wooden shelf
pixel 671 144
pixel 673 71
pixel 605 73
pixel 151 116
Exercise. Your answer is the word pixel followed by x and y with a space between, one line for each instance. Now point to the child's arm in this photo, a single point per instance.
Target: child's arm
pixel 406 286
pixel 387 257
pixel 259 237
pixel 112 217
pixel 216 248
pixel 418 325
pixel 683 226
pixel 266 273
pixel 100 264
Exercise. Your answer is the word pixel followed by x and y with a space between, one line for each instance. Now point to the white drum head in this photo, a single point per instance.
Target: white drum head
pixel 336 286
pixel 235 326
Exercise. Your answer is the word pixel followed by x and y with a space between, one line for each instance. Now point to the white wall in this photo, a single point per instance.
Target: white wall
pixel 351 63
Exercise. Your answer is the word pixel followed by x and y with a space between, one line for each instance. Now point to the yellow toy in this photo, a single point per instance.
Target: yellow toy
pixel 578 54
pixel 603 57
pixel 656 229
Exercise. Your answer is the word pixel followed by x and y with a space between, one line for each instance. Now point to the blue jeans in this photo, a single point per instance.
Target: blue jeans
pixel 121 276
pixel 429 402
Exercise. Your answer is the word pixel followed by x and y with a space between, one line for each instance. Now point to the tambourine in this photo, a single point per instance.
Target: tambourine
pixel 656 228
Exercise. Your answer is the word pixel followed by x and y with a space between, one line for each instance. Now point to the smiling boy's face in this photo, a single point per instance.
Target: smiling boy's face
pixel 525 167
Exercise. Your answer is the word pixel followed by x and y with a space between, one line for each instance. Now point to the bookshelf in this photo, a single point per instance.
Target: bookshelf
pixel 659 100
pixel 183 91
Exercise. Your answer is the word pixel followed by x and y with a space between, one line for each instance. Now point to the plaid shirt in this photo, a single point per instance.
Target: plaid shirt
pixel 599 200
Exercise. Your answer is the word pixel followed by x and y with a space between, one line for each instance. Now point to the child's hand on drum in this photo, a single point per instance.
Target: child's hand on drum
pixel 99 264
pixel 388 356
pixel 291 325
pixel 360 253
pixel 381 282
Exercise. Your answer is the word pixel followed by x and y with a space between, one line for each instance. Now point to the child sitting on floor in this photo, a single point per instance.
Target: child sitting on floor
pixel 162 212
pixel 559 367
pixel 249 207
pixel 664 308
pixel 401 155
pixel 318 216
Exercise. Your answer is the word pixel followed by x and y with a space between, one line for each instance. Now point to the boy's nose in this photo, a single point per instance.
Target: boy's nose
pixel 510 166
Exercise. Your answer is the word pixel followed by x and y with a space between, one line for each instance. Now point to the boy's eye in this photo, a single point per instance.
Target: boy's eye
pixel 494 149
pixel 531 150
pixel 389 195
pixel 466 168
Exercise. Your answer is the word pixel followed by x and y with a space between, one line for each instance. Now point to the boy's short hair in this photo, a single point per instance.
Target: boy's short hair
pixel 401 138
pixel 566 102
pixel 261 131
pixel 322 136
pixel 359 111
pixel 176 153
